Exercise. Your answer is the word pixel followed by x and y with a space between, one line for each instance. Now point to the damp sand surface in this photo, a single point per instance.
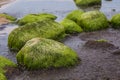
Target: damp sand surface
pixel 97 63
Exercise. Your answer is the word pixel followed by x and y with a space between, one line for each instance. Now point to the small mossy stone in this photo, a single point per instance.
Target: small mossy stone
pixel 102 40
pixel 4 63
pixel 2 77
pixel 93 20
pixel 71 26
pixel 11 18
pixel 86 3
pixel 41 53
pixel 44 28
pixel 35 17
pixel 115 21
pixel 75 15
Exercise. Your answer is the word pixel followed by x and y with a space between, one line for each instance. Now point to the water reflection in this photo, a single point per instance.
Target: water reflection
pixel 110 7
pixel 90 7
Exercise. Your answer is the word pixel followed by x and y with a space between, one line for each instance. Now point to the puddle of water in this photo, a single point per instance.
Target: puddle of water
pixel 74 42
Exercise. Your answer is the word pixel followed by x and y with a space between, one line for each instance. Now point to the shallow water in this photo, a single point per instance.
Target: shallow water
pixel 60 8
pixel 110 8
pixel 96 64
pixel 22 7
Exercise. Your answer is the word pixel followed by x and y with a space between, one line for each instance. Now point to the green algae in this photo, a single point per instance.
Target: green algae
pixel 102 40
pixel 41 53
pixel 35 17
pixel 115 21
pixel 44 28
pixel 86 3
pixel 2 77
pixel 75 15
pixel 4 62
pixel 11 18
pixel 92 21
pixel 71 26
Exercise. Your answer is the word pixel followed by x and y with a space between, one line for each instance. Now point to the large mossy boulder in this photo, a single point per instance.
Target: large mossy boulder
pixel 75 15
pixel 115 21
pixel 41 53
pixel 71 26
pixel 35 17
pixel 5 63
pixel 92 21
pixel 86 3
pixel 44 28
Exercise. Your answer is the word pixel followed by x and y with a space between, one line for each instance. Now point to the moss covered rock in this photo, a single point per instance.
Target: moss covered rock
pixel 2 77
pixel 35 17
pixel 75 15
pixel 93 20
pixel 71 26
pixel 115 21
pixel 44 28
pixel 4 63
pixel 40 53
pixel 86 3
pixel 11 18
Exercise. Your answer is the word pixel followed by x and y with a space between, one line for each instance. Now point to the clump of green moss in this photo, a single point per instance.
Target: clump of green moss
pixel 87 3
pixel 71 26
pixel 74 15
pixel 35 17
pixel 11 18
pixel 115 21
pixel 41 53
pixel 101 40
pixel 4 62
pixel 2 77
pixel 93 20
pixel 43 28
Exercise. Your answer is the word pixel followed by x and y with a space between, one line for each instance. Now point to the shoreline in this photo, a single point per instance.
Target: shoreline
pixel 3 2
